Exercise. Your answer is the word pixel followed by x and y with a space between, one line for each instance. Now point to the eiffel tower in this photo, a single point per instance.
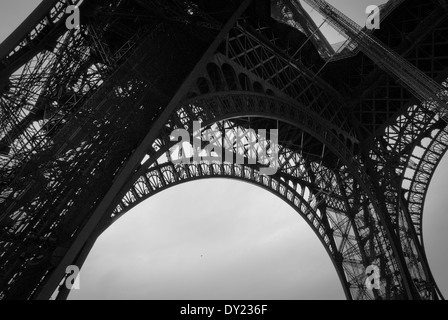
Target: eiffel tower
pixel 87 116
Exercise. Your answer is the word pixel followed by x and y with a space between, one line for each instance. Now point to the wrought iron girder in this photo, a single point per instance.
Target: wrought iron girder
pixel 46 23
pixel 55 198
pixel 208 113
pixel 383 161
pixel 395 157
pixel 48 89
pixel 418 139
pixel 134 157
pixel 225 106
pixel 54 219
pixel 34 95
pixel 162 176
pixel 413 144
pixel 418 175
pixel 378 97
pixel 254 51
pixel 294 14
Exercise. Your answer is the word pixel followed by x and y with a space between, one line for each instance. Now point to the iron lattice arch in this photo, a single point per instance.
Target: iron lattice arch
pixel 316 182
pixel 313 190
pixel 87 116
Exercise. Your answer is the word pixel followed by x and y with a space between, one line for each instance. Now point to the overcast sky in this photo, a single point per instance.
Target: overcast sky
pixel 221 239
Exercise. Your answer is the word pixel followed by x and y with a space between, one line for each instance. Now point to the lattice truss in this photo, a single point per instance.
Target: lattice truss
pixel 292 13
pixel 321 190
pixel 407 148
pixel 417 136
pixel 406 158
pixel 70 118
pixel 313 190
pixel 76 110
pixel 416 30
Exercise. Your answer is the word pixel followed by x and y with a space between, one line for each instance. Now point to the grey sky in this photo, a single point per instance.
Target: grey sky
pixel 221 239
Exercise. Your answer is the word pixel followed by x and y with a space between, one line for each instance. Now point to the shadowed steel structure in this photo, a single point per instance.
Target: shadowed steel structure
pixel 86 117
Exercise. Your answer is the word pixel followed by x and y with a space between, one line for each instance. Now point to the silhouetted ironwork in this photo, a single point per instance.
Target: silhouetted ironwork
pixel 86 117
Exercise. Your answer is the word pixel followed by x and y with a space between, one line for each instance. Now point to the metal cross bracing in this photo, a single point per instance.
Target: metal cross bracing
pixel 36 102
pixel 427 276
pixel 419 34
pixel 411 149
pixel 91 87
pixel 428 91
pixel 350 48
pixel 378 97
pixel 392 151
pixel 257 50
pixel 292 13
pixel 233 72
pixel 299 169
pixel 423 283
pixel 354 284
pixel 84 57
pixel 397 162
pixel 204 86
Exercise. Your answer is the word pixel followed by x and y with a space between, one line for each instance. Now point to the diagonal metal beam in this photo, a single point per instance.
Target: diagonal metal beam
pixel 134 161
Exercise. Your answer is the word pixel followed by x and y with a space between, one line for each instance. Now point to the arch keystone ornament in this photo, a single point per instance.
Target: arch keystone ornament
pixel 91 119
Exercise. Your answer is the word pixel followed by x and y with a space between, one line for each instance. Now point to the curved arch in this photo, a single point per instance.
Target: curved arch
pixel 170 175
pixel 353 221
pixel 215 205
pixel 160 178
pixel 222 76
pixel 219 106
pixel 423 174
pixel 420 139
